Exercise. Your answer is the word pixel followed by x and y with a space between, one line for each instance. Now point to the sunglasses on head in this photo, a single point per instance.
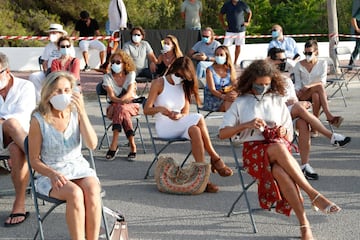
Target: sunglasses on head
pixel 308 53
pixel 117 62
pixel 65 46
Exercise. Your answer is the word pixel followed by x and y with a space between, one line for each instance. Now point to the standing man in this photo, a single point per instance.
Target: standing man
pixel 204 53
pixel 17 101
pixel 235 12
pixel 355 23
pixel 89 27
pixel 191 13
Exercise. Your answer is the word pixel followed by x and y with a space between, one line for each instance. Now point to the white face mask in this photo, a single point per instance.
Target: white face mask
pixel 177 80
pixel 116 67
pixel 53 37
pixel 220 60
pixel 136 38
pixel 166 48
pixel 309 58
pixel 60 101
pixel 65 51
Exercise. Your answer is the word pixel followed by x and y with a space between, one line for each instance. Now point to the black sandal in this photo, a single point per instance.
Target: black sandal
pixel 110 155
pixel 131 156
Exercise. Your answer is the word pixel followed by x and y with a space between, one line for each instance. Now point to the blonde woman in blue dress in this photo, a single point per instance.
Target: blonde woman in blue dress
pixel 57 128
pixel 169 100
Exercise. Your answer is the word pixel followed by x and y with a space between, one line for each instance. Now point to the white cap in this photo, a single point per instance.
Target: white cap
pixel 54 27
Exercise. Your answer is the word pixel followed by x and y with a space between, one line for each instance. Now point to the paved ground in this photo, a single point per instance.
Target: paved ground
pixel 154 215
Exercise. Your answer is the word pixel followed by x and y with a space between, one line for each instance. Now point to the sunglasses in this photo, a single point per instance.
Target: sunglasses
pixel 308 53
pixel 282 59
pixel 137 34
pixel 117 62
pixel 205 36
pixel 178 75
pixel 65 46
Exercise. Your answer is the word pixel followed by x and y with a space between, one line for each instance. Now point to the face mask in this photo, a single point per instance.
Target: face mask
pixel 65 51
pixel 282 66
pixel 136 38
pixel 275 34
pixel 166 48
pixel 205 39
pixel 177 80
pixel 220 59
pixel 261 89
pixel 60 101
pixel 116 67
pixel 53 38
pixel 309 58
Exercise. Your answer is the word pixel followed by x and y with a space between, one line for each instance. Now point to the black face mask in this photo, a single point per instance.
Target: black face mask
pixel 282 66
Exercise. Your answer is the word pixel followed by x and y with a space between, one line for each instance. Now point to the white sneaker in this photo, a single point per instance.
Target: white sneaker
pixel 339 140
pixel 309 172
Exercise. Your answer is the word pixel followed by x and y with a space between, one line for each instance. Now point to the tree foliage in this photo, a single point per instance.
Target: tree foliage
pixel 32 17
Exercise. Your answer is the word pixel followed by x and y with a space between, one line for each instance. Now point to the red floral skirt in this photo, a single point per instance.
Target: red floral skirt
pixel 257 164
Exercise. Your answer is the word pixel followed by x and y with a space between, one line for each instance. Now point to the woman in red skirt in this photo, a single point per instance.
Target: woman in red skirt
pixel 263 124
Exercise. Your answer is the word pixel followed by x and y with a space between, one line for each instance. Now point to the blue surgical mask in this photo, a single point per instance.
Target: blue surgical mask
pixel 205 39
pixel 275 34
pixel 261 89
pixel 116 67
pixel 220 60
pixel 65 51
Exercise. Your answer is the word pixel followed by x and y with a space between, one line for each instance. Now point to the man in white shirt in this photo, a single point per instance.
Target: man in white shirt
pixel 17 101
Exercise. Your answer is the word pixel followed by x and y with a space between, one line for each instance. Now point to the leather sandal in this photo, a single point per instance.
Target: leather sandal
pixel 336 121
pixel 131 156
pixel 110 155
pixel 211 188
pixel 218 165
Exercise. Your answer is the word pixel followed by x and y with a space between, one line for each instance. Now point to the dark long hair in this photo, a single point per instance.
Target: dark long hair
pixel 261 68
pixel 185 67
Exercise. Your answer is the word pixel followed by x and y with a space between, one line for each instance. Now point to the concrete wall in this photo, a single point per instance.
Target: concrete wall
pixel 26 59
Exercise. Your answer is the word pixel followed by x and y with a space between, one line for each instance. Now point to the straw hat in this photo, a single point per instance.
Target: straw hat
pixel 54 27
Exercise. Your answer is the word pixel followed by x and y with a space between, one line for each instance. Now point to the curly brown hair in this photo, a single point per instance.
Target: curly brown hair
pixel 129 64
pixel 261 68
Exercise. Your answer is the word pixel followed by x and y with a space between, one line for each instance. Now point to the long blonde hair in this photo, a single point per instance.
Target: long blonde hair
pixel 48 87
pixel 177 51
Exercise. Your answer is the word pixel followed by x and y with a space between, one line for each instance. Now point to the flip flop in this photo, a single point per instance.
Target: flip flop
pixel 110 155
pixel 14 215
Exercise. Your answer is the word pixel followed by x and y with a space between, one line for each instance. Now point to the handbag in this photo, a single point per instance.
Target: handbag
pixel 171 178
pixel 119 230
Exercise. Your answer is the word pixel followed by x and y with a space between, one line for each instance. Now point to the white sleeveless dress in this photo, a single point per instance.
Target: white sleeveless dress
pixel 62 152
pixel 173 97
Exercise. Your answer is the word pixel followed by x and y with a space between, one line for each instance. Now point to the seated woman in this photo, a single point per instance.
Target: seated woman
pixel 310 78
pixel 120 86
pixel 170 51
pixel 66 62
pixel 169 100
pixel 261 106
pixel 220 82
pixel 57 128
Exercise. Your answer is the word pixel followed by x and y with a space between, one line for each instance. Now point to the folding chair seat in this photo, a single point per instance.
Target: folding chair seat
pixel 107 123
pixel 341 53
pixel 243 188
pixel 53 201
pixel 156 141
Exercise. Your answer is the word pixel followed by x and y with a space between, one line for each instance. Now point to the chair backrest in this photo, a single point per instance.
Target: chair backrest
pixel 342 50
pixel 245 63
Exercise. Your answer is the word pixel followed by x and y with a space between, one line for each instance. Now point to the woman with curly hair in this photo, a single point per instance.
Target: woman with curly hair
pixel 120 86
pixel 263 123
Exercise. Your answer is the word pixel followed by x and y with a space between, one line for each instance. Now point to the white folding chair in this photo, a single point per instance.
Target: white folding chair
pixel 107 123
pixel 243 188
pixel 160 144
pixel 53 201
pixel 343 52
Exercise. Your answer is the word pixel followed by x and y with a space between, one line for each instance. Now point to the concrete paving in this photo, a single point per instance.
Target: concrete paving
pixel 154 215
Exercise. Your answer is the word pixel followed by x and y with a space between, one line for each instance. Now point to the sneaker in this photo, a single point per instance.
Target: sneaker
pixel 86 68
pixel 339 140
pixel 309 172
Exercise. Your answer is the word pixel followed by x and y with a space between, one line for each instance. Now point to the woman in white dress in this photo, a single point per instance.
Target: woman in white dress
pixel 57 128
pixel 169 100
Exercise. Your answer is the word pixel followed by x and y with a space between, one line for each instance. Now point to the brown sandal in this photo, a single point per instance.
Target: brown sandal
pixel 336 121
pixel 217 165
pixel 211 188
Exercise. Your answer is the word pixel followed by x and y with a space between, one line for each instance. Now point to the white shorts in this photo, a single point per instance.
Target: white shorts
pixel 231 37
pixel 3 150
pixel 85 45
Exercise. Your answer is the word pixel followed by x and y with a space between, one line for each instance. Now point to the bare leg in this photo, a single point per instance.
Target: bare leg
pixel 197 145
pixel 290 192
pixel 237 53
pixel 206 139
pixel 114 141
pixel 75 208
pixel 304 140
pixel 132 144
pixel 86 57
pixel 316 104
pixel 102 57
pixel 91 190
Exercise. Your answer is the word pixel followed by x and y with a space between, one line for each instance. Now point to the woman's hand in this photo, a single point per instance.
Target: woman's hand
pixel 257 123
pixel 281 132
pixel 58 181
pixel 231 96
pixel 78 101
pixel 175 115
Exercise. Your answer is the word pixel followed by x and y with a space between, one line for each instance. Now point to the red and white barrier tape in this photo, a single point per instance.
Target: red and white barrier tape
pixel 42 38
